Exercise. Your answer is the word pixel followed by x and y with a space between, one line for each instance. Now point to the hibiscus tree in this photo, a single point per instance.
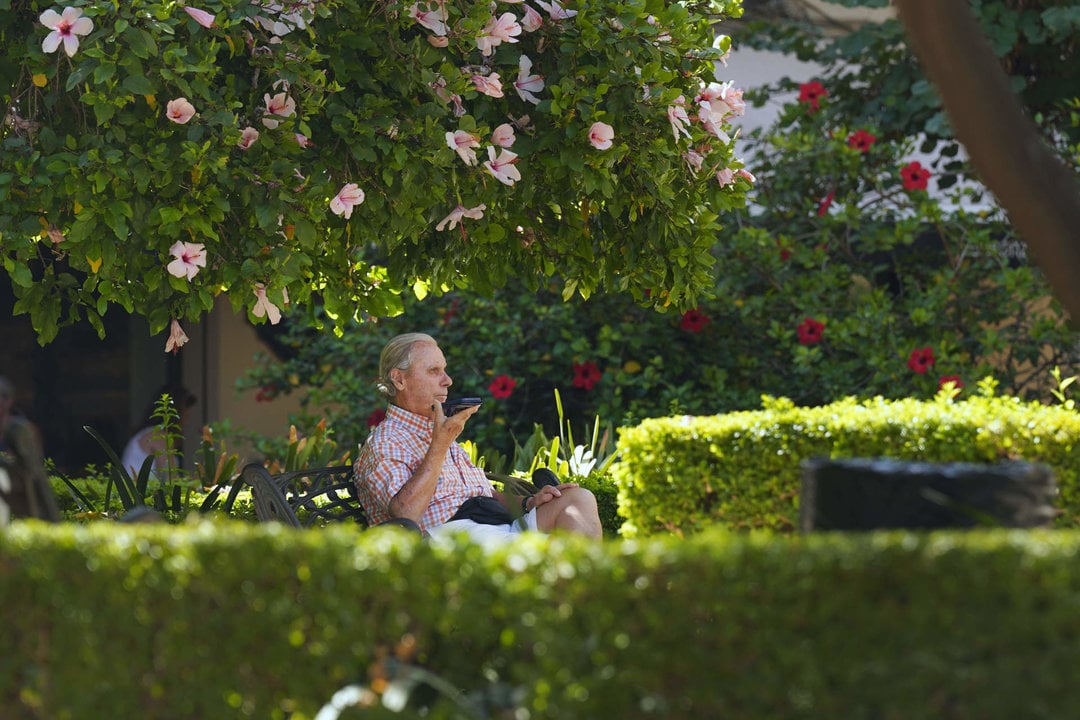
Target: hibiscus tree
pixel 303 148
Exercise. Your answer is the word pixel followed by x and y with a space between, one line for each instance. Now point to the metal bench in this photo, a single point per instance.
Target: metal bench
pixel 304 498
pixel 318 496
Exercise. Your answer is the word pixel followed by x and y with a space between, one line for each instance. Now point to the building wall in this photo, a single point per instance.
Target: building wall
pixel 221 350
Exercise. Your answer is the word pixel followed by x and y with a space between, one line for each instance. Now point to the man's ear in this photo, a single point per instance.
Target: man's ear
pixel 395 377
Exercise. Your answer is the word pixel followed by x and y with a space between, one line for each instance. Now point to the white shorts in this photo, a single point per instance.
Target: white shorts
pixel 488 535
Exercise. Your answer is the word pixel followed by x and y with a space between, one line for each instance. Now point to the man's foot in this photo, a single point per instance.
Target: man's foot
pixel 544 476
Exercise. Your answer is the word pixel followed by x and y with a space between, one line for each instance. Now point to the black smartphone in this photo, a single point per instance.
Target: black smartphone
pixel 452 406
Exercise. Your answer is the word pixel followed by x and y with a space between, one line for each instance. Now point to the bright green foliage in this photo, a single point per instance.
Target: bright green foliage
pixel 97 184
pixel 742 470
pixel 223 621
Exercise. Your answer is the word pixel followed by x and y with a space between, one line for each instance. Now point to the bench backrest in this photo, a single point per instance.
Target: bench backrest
pixel 317 496
pixel 303 498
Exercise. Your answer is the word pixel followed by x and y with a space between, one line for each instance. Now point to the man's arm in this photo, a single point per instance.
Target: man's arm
pixel 518 504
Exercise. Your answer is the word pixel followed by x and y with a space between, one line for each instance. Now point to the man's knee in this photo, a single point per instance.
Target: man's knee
pixel 581 497
pixel 575 504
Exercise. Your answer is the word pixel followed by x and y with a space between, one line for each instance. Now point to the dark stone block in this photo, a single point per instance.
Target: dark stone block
pixel 872 494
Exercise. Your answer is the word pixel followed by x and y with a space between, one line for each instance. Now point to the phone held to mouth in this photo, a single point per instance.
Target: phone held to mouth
pixel 451 407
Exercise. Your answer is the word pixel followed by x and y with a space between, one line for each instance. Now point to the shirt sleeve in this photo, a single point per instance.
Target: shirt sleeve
pixel 382 469
pixel 388 474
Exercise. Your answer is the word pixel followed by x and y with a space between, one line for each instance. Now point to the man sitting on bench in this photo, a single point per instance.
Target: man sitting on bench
pixel 412 466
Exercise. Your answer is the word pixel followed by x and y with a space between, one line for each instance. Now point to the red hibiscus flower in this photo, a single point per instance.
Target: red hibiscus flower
pixel 954 379
pixel 914 176
pixel 266 393
pixel 921 360
pixel 694 321
pixel 823 206
pixel 861 140
pixel 810 331
pixel 785 251
pixel 502 387
pixel 376 417
pixel 586 375
pixel 450 312
pixel 811 93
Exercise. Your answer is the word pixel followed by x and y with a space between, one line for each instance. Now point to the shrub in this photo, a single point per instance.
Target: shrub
pixel 742 469
pixel 213 620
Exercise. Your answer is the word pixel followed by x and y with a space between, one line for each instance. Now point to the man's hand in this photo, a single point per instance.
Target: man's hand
pixel 548 493
pixel 447 429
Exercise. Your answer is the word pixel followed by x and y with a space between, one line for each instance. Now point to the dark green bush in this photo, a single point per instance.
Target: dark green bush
pixel 742 470
pixel 233 620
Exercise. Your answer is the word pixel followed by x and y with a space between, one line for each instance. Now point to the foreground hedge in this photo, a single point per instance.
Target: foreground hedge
pixel 742 469
pixel 214 621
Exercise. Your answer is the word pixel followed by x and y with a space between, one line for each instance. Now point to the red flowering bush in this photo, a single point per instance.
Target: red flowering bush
pixel 921 360
pixel 811 93
pixel 841 240
pixel 694 321
pixel 502 387
pixel 586 375
pixel 861 140
pixel 809 331
pixel 915 176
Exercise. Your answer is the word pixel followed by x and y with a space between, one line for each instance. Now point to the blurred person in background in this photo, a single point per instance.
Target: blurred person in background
pixel 24 485
pixel 148 440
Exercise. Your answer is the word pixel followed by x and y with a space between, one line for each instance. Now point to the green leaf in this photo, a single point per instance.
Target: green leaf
pixel 141 175
pixel 20 274
pixel 115 217
pixel 139 85
pixel 103 112
pixel 170 215
pixel 125 487
pixel 104 72
pixel 80 74
pixel 140 42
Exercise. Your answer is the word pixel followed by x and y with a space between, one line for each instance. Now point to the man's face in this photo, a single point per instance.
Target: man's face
pixel 425 382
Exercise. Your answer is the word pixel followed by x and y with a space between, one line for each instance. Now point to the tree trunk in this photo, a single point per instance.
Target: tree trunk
pixel 1040 194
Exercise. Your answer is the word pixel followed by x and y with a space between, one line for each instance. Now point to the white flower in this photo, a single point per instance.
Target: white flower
pixel 65 28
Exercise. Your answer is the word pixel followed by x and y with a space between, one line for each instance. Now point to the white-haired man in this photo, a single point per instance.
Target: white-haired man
pixel 412 466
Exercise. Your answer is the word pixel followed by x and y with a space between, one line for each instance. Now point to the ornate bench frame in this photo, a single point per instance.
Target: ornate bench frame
pixel 317 496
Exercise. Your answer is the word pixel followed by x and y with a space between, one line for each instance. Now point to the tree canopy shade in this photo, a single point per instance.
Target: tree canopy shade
pixel 156 155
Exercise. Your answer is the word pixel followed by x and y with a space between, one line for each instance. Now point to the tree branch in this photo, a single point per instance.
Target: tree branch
pixel 1041 196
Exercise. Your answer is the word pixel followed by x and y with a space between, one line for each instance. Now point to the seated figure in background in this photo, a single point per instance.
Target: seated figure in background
pixel 148 440
pixel 24 485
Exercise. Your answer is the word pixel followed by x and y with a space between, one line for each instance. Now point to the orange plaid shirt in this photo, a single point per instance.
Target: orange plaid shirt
pixel 391 455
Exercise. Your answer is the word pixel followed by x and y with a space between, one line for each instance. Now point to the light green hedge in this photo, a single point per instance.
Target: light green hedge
pixel 742 469
pixel 231 620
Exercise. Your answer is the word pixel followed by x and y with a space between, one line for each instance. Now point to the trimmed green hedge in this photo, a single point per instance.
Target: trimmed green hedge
pixel 742 469
pixel 231 620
